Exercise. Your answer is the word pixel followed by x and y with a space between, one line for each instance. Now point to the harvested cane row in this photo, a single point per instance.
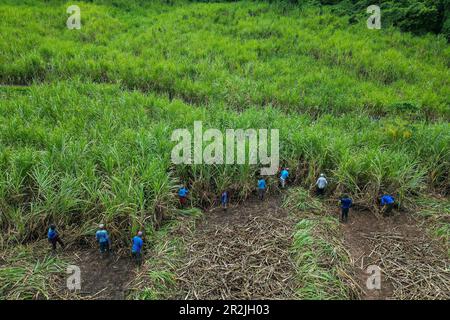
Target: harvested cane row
pixel 413 265
pixel 239 256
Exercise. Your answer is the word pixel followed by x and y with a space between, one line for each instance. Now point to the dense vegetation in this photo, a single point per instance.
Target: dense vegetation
pixel 416 16
pixel 86 115
pixel 238 55
pixel 74 153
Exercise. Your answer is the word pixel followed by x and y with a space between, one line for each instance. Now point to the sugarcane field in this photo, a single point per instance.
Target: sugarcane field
pixel 232 152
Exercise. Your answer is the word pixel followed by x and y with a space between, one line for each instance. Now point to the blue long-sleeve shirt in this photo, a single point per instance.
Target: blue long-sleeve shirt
pixel 261 184
pixel 52 234
pixel 183 192
pixel 137 244
pixel 224 197
pixel 102 236
pixel 387 199
pixel 346 203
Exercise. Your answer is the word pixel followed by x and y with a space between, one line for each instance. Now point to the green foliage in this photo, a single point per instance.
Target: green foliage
pixel 76 154
pixel 417 16
pixel 87 140
pixel 240 54
pixel 86 118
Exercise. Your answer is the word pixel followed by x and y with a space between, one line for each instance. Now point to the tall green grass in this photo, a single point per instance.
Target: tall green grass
pixel 243 54
pixel 77 153
pixel 86 118
pixel 87 139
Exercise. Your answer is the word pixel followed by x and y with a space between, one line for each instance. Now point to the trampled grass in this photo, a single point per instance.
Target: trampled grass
pixel 157 276
pixel 29 273
pixel 320 261
pixel 436 212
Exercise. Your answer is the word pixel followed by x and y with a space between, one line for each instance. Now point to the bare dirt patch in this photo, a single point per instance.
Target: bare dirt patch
pixel 240 254
pixel 102 278
pixel 413 265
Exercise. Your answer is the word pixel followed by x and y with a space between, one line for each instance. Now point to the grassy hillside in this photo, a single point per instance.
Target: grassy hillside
pixel 239 55
pixel 86 115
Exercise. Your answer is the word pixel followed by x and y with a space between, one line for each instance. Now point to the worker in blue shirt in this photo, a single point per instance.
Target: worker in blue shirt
pixel 53 237
pixel 261 188
pixel 182 195
pixel 224 200
pixel 387 203
pixel 283 177
pixel 103 239
pixel 346 204
pixel 137 248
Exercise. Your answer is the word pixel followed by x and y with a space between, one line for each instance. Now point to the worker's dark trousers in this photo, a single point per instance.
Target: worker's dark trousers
pixel 104 247
pixel 344 217
pixel 261 193
pixel 56 240
pixel 137 256
pixel 224 205
pixel 183 201
pixel 388 209
pixel 320 191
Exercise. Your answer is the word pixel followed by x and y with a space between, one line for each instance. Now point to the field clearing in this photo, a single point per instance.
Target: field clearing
pixel 242 253
pixel 413 264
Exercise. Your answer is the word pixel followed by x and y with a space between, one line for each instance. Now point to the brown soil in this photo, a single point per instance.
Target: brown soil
pixel 404 235
pixel 103 278
pixel 242 253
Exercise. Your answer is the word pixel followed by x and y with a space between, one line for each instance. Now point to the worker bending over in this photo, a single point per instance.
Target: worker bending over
pixel 321 184
pixel 53 237
pixel 387 203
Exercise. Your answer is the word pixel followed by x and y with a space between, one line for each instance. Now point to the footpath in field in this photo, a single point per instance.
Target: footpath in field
pixel 240 254
pixel 413 266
